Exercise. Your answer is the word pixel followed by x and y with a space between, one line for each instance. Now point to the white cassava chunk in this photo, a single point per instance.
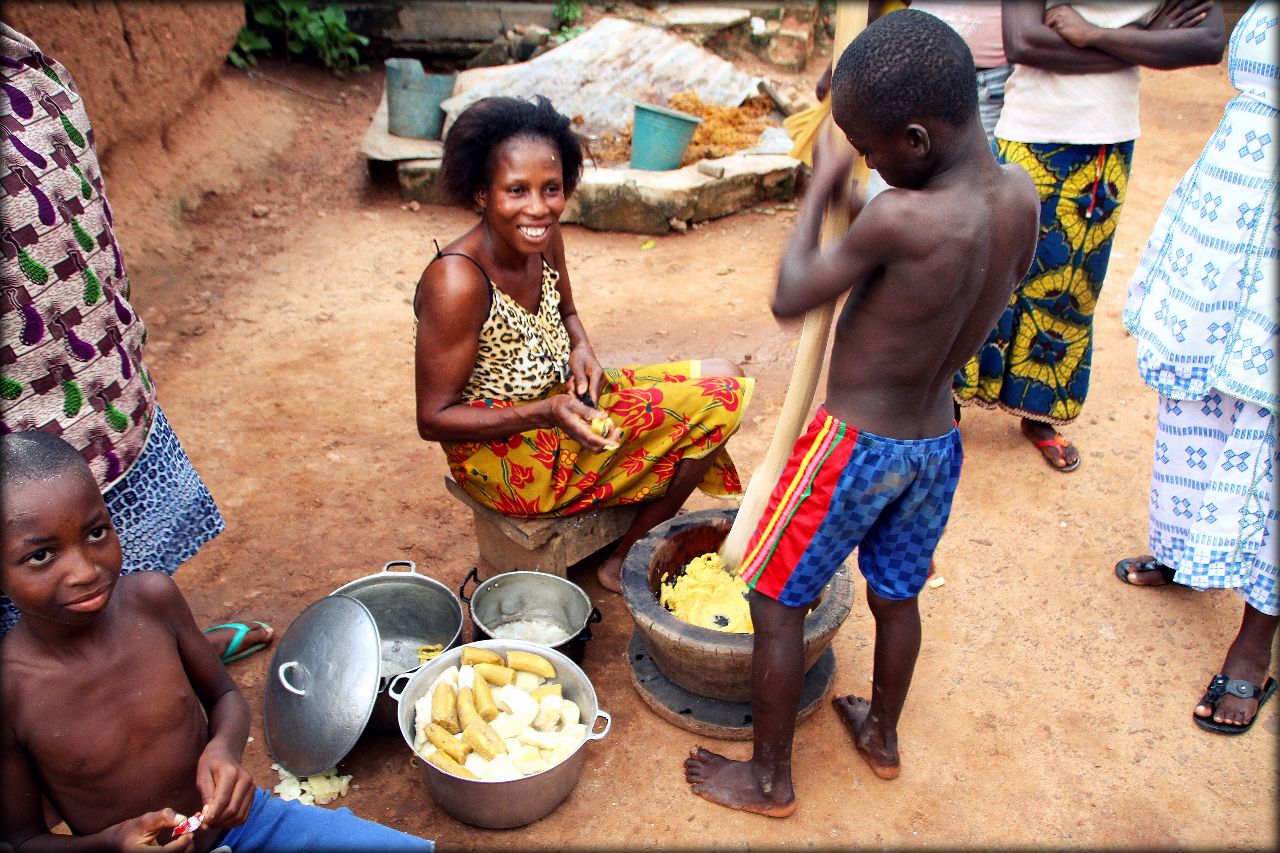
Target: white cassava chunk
pixel 541 740
pixel 450 675
pixel 476 764
pixel 501 769
pixel 528 681
pixel 513 700
pixel 575 733
pixel 466 676
pixel 528 761
pixel 569 713
pixel 548 716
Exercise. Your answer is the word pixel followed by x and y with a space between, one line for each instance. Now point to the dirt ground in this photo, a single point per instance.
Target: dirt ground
pixel 1051 704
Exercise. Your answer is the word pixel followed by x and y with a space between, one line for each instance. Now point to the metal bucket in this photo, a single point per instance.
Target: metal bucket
pixel 531 595
pixel 516 802
pixel 411 610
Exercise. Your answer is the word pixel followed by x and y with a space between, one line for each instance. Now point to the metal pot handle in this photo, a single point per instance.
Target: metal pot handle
pixel 413 567
pixel 399 681
pixel 593 619
pixel 472 575
pixel 608 724
pixel 284 682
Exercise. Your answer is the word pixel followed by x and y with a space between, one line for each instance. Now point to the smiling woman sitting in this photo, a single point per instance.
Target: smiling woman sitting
pixel 507 381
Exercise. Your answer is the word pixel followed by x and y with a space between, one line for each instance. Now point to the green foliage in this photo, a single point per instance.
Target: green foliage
pixel 563 35
pixel 567 12
pixel 293 27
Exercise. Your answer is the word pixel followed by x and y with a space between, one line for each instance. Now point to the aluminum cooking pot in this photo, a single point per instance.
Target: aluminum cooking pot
pixel 411 610
pixel 511 596
pixel 516 802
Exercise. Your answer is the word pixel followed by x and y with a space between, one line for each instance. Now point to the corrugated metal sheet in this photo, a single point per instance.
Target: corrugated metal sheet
pixel 600 73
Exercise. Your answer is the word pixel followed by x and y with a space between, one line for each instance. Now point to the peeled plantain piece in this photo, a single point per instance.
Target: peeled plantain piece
pixel 546 690
pixel 467 708
pixel 440 759
pixel 529 662
pixel 495 674
pixel 472 655
pixel 483 696
pixel 444 708
pixel 483 739
pixel 447 743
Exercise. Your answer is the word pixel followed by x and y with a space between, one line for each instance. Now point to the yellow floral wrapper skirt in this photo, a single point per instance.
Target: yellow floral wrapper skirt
pixel 666 413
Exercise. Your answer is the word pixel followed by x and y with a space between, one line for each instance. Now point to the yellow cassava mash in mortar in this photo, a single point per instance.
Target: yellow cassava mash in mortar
pixel 708 595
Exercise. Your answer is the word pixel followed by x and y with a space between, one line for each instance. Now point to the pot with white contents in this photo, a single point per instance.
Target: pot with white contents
pixel 533 607
pixel 509 802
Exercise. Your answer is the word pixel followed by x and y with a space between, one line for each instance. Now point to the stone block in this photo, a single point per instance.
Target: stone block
pixel 419 181
pixel 636 201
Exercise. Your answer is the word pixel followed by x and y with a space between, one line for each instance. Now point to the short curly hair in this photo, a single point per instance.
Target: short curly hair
pixel 477 133
pixel 904 67
pixel 32 456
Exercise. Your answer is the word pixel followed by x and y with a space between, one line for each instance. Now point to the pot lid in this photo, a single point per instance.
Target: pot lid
pixel 322 685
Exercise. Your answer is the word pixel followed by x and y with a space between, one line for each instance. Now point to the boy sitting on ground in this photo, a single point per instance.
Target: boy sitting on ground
pixel 928 267
pixel 115 706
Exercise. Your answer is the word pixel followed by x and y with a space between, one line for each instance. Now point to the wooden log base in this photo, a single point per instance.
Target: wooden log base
pixel 714 718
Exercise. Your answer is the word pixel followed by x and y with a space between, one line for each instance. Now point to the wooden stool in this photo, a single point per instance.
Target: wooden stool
pixel 549 545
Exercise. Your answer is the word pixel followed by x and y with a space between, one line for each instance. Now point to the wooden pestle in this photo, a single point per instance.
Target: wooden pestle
pixel 851 19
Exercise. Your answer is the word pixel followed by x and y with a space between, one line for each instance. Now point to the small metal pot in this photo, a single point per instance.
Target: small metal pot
pixel 410 610
pixel 529 595
pixel 516 802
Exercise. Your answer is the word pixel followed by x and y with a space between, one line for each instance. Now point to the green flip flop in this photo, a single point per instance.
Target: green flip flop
pixel 234 651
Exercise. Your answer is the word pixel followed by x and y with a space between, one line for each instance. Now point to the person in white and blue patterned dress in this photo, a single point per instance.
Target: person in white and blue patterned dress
pixel 1204 310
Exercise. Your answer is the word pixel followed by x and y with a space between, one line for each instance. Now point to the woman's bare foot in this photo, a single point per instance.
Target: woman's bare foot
pixel 1056 449
pixel 736 784
pixel 220 638
pixel 609 573
pixel 882 757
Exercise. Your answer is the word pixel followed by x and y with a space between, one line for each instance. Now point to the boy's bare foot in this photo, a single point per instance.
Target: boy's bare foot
pixel 881 757
pixel 1056 449
pixel 734 784
pixel 609 574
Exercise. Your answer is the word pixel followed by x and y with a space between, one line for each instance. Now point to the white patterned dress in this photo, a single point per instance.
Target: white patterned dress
pixel 1204 309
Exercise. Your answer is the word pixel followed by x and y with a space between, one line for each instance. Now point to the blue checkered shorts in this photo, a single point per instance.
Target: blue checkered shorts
pixel 846 489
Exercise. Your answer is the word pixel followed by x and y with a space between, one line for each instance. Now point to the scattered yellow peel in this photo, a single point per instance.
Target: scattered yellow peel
pixel 936 581
pixel 648 244
pixel 430 650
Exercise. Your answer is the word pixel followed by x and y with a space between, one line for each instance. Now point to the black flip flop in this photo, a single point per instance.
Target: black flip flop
pixel 1138 564
pixel 1221 686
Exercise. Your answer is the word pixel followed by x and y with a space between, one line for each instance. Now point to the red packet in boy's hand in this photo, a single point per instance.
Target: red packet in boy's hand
pixel 191 824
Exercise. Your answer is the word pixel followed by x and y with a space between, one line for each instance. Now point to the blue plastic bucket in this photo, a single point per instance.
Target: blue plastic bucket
pixel 659 137
pixel 414 98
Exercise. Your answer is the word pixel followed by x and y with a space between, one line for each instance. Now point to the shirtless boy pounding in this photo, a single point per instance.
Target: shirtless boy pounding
pixel 928 267
pixel 115 706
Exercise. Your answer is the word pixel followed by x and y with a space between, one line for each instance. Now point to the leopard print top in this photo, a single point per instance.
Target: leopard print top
pixel 521 356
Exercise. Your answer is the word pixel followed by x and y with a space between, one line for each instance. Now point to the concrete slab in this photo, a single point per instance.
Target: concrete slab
pixel 642 202
pixel 379 143
pixel 414 22
pixel 705 21
pixel 600 74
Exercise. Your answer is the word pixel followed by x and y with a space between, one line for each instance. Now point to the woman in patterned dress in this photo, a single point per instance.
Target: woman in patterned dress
pixel 1203 310
pixel 71 343
pixel 507 380
pixel 1070 117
